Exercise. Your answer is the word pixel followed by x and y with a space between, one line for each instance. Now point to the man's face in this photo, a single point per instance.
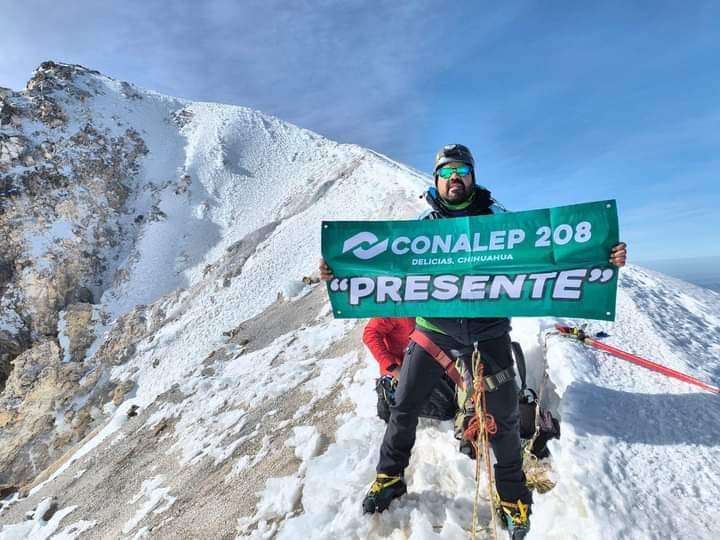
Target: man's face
pixel 456 188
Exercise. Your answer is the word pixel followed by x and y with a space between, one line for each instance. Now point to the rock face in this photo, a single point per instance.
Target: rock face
pixel 65 179
pixel 27 410
pixel 78 326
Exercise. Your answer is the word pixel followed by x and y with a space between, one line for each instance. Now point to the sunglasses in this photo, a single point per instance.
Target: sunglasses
pixel 447 172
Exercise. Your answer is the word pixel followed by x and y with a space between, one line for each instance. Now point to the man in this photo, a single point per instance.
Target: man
pixel 456 194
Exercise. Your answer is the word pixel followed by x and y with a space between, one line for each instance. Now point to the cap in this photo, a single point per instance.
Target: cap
pixel 450 153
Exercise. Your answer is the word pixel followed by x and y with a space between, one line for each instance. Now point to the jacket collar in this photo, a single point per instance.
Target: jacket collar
pixel 478 204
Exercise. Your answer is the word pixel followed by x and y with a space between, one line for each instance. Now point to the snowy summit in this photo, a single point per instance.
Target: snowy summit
pixel 170 367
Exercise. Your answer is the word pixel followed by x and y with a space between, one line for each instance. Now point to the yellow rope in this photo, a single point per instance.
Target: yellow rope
pixel 483 443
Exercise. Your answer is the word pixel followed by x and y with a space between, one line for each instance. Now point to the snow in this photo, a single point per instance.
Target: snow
pixel 63 338
pixel 10 321
pixel 215 409
pixel 625 467
pixel 306 442
pixel 45 240
pixel 38 529
pixel 75 530
pixel 156 499
pixel 635 443
pixel 639 452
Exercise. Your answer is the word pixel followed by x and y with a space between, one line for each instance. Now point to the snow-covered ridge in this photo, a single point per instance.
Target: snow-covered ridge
pixel 185 380
pixel 114 196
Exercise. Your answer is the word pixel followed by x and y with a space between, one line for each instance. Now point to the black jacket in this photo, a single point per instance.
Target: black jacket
pixel 468 330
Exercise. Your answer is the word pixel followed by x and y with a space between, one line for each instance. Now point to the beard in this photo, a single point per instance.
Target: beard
pixel 457 192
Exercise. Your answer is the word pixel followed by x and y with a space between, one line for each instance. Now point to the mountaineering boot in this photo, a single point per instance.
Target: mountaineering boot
pixel 515 517
pixel 384 489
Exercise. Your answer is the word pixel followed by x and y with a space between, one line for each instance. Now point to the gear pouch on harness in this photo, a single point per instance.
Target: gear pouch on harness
pixel 548 428
pixel 538 431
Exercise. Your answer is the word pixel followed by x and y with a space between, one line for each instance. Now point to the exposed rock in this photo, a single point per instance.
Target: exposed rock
pixel 27 412
pixel 183 184
pixel 182 117
pixel 50 512
pixel 62 440
pixel 121 391
pixel 79 330
pixel 81 421
pixel 207 372
pixel 81 295
pixel 11 345
pixel 120 345
pixel 91 379
pixel 47 149
pixel 52 76
pixel 129 91
pixel 49 112
pixel 7 489
pixel 45 296
pixel 7 190
pixel 40 180
pixel 7 271
pixel 12 149
pixel 10 116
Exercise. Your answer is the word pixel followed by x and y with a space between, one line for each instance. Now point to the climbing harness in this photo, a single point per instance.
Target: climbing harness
pixel 447 363
pixel 491 382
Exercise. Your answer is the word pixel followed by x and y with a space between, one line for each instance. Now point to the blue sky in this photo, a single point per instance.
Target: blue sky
pixel 561 102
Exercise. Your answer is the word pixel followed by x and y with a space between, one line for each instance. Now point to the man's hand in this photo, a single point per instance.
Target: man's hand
pixel 618 254
pixel 325 273
pixel 395 373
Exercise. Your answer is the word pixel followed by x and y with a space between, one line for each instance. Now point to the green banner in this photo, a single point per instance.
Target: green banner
pixel 541 262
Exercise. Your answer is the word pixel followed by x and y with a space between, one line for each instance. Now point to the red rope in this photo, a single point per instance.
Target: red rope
pixel 644 362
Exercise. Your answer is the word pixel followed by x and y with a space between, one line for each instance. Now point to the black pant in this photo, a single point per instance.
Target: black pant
pixel 418 376
pixel 441 404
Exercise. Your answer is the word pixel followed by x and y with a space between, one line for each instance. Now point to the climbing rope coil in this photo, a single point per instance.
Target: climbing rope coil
pixel 482 426
pixel 479 430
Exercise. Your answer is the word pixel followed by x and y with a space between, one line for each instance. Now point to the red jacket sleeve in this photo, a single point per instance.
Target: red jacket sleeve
pixel 374 337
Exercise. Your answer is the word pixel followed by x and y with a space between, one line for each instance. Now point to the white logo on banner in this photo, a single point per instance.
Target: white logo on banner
pixel 376 247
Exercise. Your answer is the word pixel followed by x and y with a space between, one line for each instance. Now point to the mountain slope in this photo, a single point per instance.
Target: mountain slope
pixel 114 197
pixel 220 399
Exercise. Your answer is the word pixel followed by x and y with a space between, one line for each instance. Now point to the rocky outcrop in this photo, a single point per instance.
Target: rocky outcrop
pixel 27 410
pixel 78 331
pixel 55 76
pixel 64 190
pixel 13 150
pixel 128 331
pixel 62 195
